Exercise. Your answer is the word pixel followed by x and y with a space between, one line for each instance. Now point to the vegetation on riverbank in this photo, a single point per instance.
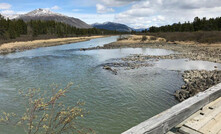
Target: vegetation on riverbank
pixel 212 24
pixel 208 37
pixel 200 31
pixel 21 46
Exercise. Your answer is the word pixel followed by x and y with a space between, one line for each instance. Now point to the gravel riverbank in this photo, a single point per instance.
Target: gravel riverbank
pixel 195 80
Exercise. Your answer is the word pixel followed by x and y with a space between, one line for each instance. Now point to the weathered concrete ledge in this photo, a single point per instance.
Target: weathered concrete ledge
pixel 168 119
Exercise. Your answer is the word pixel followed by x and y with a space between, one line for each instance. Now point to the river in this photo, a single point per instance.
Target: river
pixel 115 102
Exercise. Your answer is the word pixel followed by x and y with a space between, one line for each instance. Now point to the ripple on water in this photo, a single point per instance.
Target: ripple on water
pixel 115 102
pixel 185 64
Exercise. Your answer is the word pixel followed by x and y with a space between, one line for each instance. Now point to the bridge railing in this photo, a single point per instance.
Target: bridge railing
pixel 170 118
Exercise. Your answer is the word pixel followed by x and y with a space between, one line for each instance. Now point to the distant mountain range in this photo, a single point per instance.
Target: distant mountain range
pixel 140 29
pixel 43 14
pixel 113 26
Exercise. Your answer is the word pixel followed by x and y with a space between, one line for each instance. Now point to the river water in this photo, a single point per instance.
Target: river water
pixel 115 102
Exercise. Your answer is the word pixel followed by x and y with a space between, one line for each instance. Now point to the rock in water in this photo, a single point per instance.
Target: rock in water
pixel 106 67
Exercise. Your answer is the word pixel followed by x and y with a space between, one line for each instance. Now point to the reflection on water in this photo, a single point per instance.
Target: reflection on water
pixel 185 64
pixel 62 48
pixel 105 54
pixel 115 102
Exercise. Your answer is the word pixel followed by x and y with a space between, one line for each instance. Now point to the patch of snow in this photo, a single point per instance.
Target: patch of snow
pixel 11 16
pixel 107 23
pixel 95 24
pixel 42 12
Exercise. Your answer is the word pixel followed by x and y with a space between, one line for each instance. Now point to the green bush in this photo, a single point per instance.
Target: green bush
pixel 144 38
pixel 153 38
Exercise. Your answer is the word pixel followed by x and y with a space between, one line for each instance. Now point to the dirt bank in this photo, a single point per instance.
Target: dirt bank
pixel 21 46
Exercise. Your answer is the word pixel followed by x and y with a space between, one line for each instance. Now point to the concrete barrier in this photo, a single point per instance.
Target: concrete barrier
pixel 168 119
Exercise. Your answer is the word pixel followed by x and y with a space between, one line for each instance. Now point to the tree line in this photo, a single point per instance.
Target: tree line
pixel 11 29
pixel 212 24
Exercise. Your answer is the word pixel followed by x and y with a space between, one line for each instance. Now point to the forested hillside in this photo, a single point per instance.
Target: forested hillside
pixel 212 24
pixel 112 26
pixel 11 29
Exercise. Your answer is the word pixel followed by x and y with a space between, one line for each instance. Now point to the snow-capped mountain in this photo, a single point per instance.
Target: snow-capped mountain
pixel 112 26
pixel 44 14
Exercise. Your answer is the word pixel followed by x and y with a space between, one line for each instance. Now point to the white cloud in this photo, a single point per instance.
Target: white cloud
pixel 139 13
pixel 76 10
pixel 91 18
pixel 103 9
pixel 4 6
pixel 7 12
pixel 55 7
pixel 146 13
pixel 116 3
pixel 160 18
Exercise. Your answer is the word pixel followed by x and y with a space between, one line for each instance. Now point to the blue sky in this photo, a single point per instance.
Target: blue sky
pixel 135 13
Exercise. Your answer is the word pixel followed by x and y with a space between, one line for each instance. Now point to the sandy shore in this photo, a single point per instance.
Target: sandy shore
pixel 21 46
pixel 195 80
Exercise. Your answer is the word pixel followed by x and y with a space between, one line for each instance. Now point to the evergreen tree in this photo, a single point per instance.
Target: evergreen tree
pixel 10 29
pixel 213 24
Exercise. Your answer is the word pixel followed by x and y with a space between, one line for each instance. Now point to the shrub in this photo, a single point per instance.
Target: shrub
pixel 144 38
pixel 122 38
pixel 47 114
pixel 153 38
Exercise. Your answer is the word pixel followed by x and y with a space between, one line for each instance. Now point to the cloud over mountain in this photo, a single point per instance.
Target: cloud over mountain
pixel 116 3
pixel 103 9
pixel 161 12
pixel 134 13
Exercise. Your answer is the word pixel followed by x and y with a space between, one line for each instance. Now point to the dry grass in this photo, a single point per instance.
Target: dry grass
pixel 28 38
pixel 209 37
pixel 25 45
pixel 143 39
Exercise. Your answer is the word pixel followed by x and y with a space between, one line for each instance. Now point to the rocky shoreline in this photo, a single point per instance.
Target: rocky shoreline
pixel 192 52
pixel 126 65
pixel 195 80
